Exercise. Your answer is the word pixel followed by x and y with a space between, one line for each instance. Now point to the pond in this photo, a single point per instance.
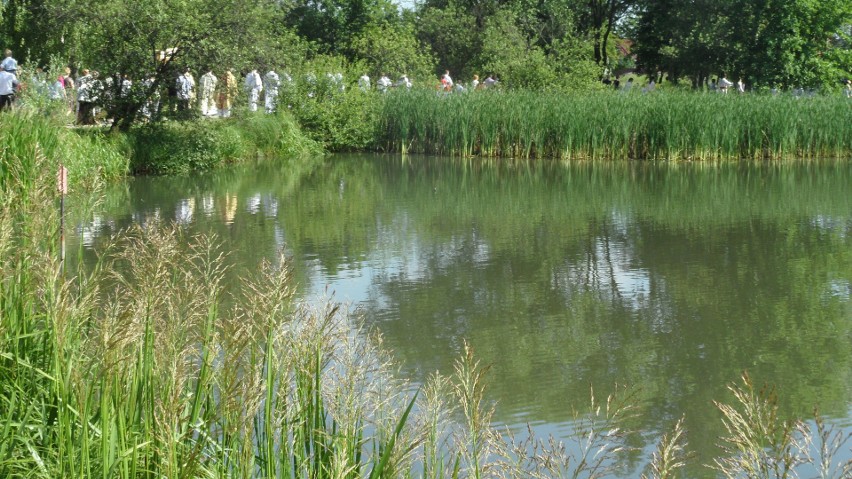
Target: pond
pixel 672 277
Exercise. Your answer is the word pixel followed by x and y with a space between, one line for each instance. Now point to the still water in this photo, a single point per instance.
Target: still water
pixel 671 277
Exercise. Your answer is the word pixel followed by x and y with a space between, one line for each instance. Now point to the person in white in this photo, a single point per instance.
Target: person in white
pixel 254 86
pixel 383 84
pixel 338 80
pixel 403 82
pixel 628 86
pixel 8 84
pixel 9 64
pixel 724 84
pixel 848 88
pixel 56 91
pixel 474 84
pixel 489 82
pixel 364 82
pixel 271 82
pixel 651 86
pixel 447 81
pixel 126 85
pixel 185 89
pixel 740 86
pixel 311 82
pixel 85 98
pixel 207 85
pixel 152 104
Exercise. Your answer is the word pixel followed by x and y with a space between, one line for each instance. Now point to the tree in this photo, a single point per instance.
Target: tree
pixel 766 42
pixel 452 34
pixel 599 18
pixel 30 31
pixel 393 50
pixel 333 24
pixel 149 40
pixel 509 53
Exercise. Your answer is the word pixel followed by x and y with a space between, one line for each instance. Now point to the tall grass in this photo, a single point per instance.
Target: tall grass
pixel 609 125
pixel 145 367
pixel 89 156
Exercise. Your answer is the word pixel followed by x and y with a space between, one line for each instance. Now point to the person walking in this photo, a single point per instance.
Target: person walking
pixel 254 86
pixel 185 86
pixel 9 64
pixel 383 84
pixel 271 82
pixel 227 93
pixel 724 84
pixel 8 85
pixel 489 82
pixel 85 98
pixel 447 81
pixel 403 82
pixel 474 85
pixel 208 93
pixel 740 86
pixel 848 88
pixel 364 83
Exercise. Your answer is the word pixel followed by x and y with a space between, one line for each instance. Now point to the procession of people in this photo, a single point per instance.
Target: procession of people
pixel 216 91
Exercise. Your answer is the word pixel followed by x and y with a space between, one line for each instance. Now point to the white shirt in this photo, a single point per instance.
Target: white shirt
pixel 84 88
pixel 383 83
pixel 208 83
pixel 56 90
pixel 185 85
pixel 272 82
pixel 9 64
pixel 8 82
pixel 364 82
pixel 449 79
pixel 253 81
pixel 126 85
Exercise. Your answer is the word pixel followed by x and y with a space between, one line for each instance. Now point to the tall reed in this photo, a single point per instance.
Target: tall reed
pixel 610 125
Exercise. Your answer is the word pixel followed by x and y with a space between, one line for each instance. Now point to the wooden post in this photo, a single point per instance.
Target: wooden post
pixel 62 186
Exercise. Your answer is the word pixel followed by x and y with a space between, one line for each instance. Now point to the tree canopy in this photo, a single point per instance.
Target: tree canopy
pixel 562 44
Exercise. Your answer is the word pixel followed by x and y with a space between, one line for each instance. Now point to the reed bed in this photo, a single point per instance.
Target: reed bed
pixel 89 155
pixel 145 367
pixel 612 125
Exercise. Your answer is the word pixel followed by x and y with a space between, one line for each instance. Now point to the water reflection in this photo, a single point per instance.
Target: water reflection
pixel 673 277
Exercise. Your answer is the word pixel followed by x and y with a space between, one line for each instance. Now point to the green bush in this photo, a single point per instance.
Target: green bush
pixel 178 147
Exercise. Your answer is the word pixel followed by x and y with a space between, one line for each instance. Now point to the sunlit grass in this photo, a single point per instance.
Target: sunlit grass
pixel 609 125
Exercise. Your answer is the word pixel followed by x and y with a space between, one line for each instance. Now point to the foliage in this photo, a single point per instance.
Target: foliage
pixel 671 125
pixel 179 147
pixel 90 157
pixel 507 51
pixel 153 40
pixel 768 43
pixel 452 35
pixel 392 50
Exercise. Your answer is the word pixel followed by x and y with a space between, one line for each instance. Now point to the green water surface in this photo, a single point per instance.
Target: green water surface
pixel 674 277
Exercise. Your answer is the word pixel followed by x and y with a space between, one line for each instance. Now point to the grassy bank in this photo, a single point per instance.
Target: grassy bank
pixel 95 154
pixel 178 147
pixel 609 125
